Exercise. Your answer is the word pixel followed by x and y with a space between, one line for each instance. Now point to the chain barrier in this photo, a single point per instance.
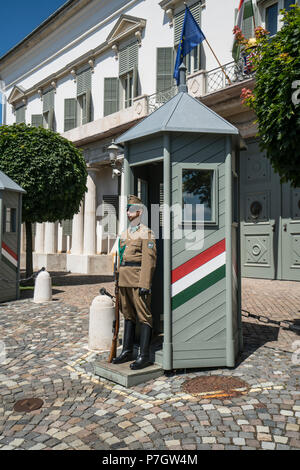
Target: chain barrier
pixel 287 324
pixel 33 276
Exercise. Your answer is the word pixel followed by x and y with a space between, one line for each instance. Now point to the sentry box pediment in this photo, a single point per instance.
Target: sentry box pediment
pixel 184 155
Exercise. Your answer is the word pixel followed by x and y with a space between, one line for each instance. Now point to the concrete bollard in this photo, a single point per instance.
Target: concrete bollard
pixel 102 314
pixel 42 288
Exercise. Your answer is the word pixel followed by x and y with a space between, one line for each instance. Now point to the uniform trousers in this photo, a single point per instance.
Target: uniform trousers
pixel 134 306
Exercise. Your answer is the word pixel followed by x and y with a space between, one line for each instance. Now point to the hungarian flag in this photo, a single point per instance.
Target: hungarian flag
pixel 244 15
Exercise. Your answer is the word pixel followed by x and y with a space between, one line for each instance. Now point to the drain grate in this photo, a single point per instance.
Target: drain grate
pixel 217 385
pixel 28 404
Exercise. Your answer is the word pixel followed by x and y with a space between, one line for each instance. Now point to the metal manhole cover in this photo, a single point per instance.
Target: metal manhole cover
pixel 28 404
pixel 215 385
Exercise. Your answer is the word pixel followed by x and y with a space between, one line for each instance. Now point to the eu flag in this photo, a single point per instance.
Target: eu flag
pixel 191 36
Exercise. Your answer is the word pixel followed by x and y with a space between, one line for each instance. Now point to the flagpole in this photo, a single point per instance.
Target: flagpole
pixel 221 66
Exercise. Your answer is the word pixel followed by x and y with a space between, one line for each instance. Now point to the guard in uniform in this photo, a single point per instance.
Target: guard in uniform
pixel 137 261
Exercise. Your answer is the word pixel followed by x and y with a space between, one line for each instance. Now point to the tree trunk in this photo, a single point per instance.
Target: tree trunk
pixel 29 261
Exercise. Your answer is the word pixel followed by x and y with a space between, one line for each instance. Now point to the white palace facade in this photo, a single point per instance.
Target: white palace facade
pixel 95 68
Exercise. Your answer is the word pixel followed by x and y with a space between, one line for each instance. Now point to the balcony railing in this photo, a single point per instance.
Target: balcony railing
pixel 156 100
pixel 236 72
pixel 214 80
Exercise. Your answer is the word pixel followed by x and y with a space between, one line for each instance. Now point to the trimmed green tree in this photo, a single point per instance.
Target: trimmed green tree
pixel 50 169
pixel 275 98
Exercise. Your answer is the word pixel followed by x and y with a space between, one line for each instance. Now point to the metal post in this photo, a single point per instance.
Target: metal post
pixel 228 237
pixel 167 348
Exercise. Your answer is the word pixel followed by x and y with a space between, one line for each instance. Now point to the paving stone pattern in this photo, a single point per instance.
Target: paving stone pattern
pixel 47 357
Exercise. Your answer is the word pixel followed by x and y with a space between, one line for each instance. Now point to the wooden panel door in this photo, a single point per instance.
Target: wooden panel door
pixel 290 233
pixel 260 214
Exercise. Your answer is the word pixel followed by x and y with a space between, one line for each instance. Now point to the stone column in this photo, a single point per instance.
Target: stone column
pixel 77 232
pixel 89 238
pixel 39 238
pixel 50 245
pixel 61 240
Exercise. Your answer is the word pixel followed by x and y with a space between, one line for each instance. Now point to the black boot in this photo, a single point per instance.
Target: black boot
pixel 128 340
pixel 143 359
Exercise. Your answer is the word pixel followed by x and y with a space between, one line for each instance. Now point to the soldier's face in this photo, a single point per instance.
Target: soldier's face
pixel 132 213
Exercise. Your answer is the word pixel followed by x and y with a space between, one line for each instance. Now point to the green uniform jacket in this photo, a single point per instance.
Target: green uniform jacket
pixel 140 248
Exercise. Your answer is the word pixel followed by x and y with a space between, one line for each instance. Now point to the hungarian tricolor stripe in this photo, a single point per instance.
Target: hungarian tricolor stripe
pixel 245 11
pixel 198 274
pixel 9 257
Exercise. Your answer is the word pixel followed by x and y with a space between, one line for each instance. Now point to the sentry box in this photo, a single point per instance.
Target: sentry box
pixel 183 159
pixel 10 237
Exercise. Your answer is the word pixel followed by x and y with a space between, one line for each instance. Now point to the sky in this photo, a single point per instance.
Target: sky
pixel 18 18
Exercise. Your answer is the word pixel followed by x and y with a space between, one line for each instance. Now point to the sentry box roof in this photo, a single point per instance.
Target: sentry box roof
pixel 182 113
pixel 8 184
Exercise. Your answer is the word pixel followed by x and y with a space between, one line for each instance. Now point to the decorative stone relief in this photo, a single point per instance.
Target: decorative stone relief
pixel 257 250
pixel 258 169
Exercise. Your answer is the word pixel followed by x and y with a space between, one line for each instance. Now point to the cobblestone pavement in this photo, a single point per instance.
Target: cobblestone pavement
pixel 47 357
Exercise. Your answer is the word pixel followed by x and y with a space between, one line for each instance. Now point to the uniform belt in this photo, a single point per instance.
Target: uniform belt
pixel 130 263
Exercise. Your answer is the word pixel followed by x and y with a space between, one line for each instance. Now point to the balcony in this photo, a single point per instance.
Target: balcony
pixel 204 83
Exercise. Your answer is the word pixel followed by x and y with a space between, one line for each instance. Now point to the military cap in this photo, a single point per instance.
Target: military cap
pixel 133 200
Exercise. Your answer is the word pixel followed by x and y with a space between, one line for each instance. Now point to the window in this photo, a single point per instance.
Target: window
pixel 111 95
pixel 288 3
pixel 272 19
pixel 164 68
pixel 37 120
pixel 128 74
pixel 20 114
pixel 120 91
pixel 48 109
pixel 127 87
pixel 197 195
pixel 84 85
pixel 70 114
pixel 192 60
pixel 10 220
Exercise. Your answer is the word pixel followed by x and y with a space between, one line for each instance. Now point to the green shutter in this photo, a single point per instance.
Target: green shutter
pixel 70 113
pixel 20 115
pixel 37 120
pixel 196 12
pixel 48 101
pixel 111 95
pixel 67 227
pixel 128 58
pixel 84 82
pixel 164 68
pixel 86 111
pixel 135 82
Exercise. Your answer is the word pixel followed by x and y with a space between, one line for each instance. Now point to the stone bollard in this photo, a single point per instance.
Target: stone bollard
pixel 42 288
pixel 102 315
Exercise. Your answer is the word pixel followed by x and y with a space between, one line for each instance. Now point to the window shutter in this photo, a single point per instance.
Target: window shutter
pixel 111 95
pixel 196 12
pixel 164 68
pixel 111 212
pixel 37 120
pixel 48 101
pixel 86 116
pixel 20 115
pixel 70 114
pixel 67 227
pixel 84 82
pixel 135 82
pixel 128 58
pixel 51 119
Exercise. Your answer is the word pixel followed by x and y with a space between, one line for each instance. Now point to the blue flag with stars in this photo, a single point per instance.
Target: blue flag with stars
pixel 191 36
